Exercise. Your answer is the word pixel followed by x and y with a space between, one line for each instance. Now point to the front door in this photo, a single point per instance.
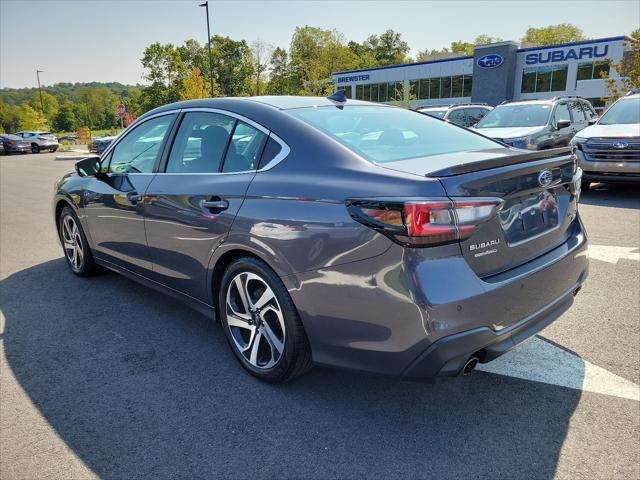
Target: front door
pixel 191 205
pixel 114 201
pixel 562 136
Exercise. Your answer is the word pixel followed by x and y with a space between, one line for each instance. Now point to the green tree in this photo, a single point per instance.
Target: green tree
pixel 49 101
pixel 194 86
pixel 553 34
pixel 388 48
pixel 9 117
pixel 462 47
pixel 232 66
pixel 628 68
pixel 31 119
pixel 280 80
pixel 64 120
pixel 262 53
pixel 486 39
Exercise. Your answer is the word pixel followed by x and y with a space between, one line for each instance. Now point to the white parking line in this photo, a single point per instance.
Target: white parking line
pixel 540 361
pixel 612 254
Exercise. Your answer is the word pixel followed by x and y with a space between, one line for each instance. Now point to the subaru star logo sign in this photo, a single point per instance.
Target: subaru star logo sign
pixel 620 145
pixel 490 61
pixel 545 178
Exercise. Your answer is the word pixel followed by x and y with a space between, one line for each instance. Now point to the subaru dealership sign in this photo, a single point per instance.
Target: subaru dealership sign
pixel 597 51
pixel 490 61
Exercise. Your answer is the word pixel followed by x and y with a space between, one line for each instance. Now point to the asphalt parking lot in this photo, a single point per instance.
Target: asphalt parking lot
pixel 104 378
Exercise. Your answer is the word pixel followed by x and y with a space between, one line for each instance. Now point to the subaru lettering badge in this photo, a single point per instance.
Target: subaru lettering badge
pixel 490 61
pixel 545 178
pixel 620 145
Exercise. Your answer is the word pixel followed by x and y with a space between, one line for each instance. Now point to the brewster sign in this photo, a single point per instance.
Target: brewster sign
pixel 353 78
pixel 597 51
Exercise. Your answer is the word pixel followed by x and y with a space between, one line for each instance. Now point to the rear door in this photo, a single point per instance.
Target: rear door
pixel 192 203
pixel 538 213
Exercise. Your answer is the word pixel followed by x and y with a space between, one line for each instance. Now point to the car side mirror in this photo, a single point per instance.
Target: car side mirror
pixel 563 124
pixel 88 167
pixel 592 121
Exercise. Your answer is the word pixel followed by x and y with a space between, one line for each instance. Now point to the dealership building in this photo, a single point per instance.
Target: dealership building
pixel 494 73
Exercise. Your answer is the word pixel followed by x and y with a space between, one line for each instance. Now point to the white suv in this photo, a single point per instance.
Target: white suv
pixel 40 140
pixel 609 151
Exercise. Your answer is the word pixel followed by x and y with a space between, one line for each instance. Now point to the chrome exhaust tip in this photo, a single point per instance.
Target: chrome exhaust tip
pixel 469 366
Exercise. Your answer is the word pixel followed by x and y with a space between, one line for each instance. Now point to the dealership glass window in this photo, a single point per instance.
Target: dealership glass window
pixel 467 81
pixel 592 70
pixel 360 92
pixel 414 86
pixel 424 88
pixel 601 68
pixel 456 86
pixel 367 92
pixel 434 88
pixel 382 92
pixel 445 87
pixel 375 89
pixel 543 80
pixel 528 80
pixel 559 78
pixel 346 90
pixel 396 91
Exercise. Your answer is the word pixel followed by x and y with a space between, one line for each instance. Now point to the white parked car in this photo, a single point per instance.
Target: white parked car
pixel 40 140
pixel 609 151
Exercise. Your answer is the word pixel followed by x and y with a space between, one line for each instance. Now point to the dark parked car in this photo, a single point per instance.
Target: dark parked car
pixel 100 144
pixel 344 233
pixel 15 144
pixel 538 124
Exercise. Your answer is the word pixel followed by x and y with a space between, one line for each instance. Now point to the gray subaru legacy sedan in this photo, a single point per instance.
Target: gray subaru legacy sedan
pixel 332 231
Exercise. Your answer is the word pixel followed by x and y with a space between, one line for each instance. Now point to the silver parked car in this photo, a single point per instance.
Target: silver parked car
pixel 40 140
pixel 609 151
pixel 333 231
pixel 463 114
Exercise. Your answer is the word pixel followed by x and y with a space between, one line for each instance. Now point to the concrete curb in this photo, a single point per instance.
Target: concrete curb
pixel 74 157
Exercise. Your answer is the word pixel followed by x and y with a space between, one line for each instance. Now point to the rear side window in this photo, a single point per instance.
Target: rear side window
pixel 200 143
pixel 387 134
pixel 474 115
pixel 271 150
pixel 245 148
pixel 458 117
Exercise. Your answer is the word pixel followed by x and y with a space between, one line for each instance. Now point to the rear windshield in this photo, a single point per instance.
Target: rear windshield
pixel 623 111
pixel 387 134
pixel 531 115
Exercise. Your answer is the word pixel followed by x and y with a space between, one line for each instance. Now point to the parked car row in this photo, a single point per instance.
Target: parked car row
pixel 29 141
pixel 608 148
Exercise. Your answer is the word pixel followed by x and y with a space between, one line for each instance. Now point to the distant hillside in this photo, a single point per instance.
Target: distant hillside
pixel 16 96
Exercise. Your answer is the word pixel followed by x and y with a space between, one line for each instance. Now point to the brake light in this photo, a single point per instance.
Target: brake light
pixel 11 142
pixel 425 222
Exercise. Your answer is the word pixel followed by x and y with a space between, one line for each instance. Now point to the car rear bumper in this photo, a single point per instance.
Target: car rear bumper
pixel 409 313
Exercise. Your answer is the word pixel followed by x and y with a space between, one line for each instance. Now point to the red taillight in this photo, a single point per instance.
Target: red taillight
pixel 11 142
pixel 425 222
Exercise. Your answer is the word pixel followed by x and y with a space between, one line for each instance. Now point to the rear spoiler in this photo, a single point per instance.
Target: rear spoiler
pixel 500 162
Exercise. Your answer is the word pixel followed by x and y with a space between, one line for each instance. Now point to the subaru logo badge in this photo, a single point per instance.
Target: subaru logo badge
pixel 490 61
pixel 545 178
pixel 620 145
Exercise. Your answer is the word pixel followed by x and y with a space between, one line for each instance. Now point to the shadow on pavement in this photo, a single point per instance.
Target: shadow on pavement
pixel 612 195
pixel 141 386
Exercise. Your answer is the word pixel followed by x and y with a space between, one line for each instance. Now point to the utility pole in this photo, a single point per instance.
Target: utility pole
pixel 206 6
pixel 38 72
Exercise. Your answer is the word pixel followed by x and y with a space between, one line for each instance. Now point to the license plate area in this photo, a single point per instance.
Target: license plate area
pixel 527 217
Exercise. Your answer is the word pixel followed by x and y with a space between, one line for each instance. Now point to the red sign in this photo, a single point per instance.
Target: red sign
pixel 121 110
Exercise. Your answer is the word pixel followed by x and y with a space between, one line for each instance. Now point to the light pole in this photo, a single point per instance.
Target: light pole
pixel 206 6
pixel 38 72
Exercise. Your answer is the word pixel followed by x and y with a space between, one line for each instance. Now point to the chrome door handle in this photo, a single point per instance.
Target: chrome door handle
pixel 218 205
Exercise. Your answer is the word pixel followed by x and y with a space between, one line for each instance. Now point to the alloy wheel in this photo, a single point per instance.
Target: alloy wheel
pixel 72 242
pixel 255 320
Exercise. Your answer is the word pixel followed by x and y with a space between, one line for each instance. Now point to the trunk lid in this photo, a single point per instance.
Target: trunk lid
pixel 539 202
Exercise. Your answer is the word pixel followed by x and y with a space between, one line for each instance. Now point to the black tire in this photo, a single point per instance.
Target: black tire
pixel 35 148
pixel 585 185
pixel 86 266
pixel 53 150
pixel 295 358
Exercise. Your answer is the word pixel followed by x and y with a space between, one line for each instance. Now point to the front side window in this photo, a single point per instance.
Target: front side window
pixel 200 143
pixel 561 113
pixel 138 150
pixel 385 134
pixel 474 115
pixel 518 115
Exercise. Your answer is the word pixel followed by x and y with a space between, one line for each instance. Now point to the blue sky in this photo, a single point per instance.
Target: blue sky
pixel 78 41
